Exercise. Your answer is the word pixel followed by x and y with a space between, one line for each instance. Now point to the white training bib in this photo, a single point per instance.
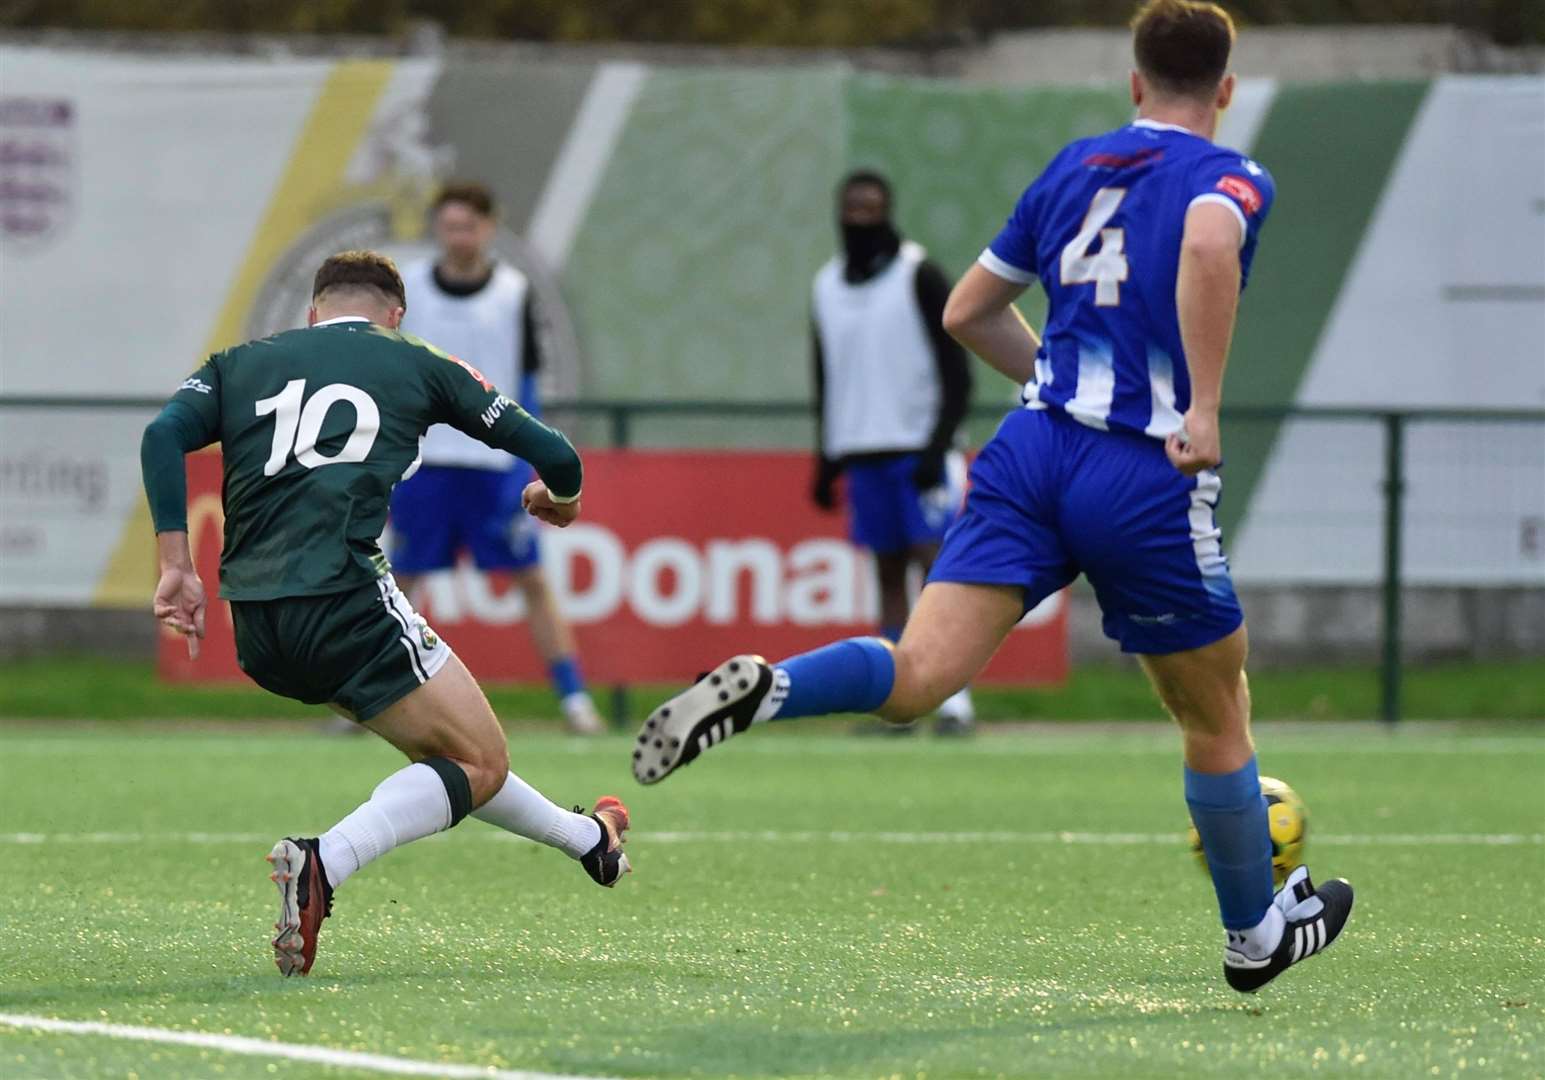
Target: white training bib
pixel 882 380
pixel 487 330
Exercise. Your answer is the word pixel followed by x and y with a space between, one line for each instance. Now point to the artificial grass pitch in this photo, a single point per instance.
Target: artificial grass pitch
pixel 802 905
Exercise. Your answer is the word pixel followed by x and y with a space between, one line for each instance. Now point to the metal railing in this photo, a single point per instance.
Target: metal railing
pixel 622 417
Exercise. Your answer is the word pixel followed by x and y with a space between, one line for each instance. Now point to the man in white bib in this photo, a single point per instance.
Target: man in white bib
pixel 891 388
pixel 466 496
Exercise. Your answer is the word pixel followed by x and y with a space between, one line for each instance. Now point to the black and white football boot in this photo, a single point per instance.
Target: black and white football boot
pixel 719 705
pixel 1312 919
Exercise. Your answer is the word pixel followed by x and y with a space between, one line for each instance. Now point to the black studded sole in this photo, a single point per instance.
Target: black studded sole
pixel 717 706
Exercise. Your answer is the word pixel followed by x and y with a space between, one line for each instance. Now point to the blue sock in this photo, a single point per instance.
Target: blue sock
pixel 891 633
pixel 1230 815
pixel 852 676
pixel 565 675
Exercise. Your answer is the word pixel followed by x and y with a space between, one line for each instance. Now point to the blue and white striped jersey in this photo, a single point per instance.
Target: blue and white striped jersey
pixel 1101 229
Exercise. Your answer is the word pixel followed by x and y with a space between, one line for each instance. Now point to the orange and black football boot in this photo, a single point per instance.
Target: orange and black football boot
pixel 605 862
pixel 305 899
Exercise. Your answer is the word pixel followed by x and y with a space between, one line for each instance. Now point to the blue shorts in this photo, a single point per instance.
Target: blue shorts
pixel 1051 498
pixel 888 514
pixel 442 510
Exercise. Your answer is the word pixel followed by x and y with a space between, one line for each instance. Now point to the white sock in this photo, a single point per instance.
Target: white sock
pixel 776 695
pixel 960 706
pixel 1262 939
pixel 523 810
pixel 408 805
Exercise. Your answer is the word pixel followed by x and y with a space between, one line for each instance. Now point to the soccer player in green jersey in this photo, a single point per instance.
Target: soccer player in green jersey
pixel 316 427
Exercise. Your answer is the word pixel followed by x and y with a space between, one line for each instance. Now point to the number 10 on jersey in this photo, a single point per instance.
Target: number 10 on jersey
pixel 1107 268
pixel 299 428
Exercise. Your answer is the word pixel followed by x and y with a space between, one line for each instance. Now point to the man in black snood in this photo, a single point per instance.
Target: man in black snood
pixel 891 389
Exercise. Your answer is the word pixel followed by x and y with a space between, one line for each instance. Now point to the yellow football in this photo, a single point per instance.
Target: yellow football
pixel 1288 819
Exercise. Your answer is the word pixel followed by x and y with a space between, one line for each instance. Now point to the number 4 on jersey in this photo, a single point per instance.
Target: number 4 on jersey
pixel 299 428
pixel 1107 268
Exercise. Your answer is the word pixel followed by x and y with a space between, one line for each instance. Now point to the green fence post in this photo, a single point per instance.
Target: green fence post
pixel 622 427
pixel 1394 498
pixel 622 438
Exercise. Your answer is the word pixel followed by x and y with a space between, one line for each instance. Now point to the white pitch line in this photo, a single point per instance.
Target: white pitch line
pixel 1139 743
pixel 136 838
pixel 812 836
pixel 1116 839
pixel 241 1044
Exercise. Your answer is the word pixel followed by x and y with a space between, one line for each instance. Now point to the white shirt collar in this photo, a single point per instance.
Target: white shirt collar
pixel 342 319
pixel 1156 125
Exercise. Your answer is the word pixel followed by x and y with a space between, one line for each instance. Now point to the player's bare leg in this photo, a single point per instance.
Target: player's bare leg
pixel 449 717
pixel 953 632
pixel 460 762
pixel 457 722
pixel 1207 693
pixel 554 641
pixel 890 572
pixel 956 713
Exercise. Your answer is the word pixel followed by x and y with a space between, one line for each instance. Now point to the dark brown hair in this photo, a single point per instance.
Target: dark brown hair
pixel 467 192
pixel 1182 46
pixel 360 270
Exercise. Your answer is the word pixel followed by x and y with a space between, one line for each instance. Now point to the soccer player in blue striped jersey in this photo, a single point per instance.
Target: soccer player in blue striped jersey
pixel 1142 238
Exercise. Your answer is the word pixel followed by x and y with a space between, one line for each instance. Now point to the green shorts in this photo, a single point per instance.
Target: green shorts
pixel 363 650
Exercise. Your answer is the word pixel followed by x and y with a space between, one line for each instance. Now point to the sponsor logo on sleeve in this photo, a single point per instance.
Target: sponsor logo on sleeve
pixel 496 410
pixel 1243 192
pixel 1149 156
pixel 470 370
pixel 198 386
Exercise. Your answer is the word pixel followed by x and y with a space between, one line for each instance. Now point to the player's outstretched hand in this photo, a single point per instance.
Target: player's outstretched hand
pixel 179 603
pixel 1197 445
pixel 539 504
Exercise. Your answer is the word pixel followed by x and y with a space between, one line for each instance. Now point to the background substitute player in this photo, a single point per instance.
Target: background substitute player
pixel 891 388
pixel 466 497
pixel 316 425
pixel 1142 238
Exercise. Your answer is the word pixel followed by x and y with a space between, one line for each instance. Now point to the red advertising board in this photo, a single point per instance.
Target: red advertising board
pixel 678 560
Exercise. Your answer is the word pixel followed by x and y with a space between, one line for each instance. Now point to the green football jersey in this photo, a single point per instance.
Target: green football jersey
pixel 317 426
